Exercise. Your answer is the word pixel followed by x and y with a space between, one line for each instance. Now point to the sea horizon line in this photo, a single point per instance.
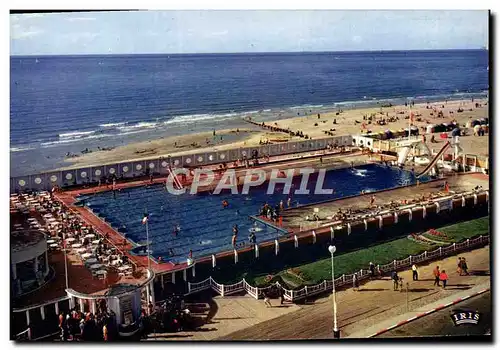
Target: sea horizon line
pixel 247 53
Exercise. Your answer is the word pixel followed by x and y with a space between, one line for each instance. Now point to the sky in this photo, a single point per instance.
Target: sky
pixel 215 31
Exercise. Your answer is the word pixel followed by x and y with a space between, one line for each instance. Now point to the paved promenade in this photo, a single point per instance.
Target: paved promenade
pixel 374 303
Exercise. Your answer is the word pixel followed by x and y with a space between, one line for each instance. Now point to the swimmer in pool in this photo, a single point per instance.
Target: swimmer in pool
pixel 225 203
pixel 177 229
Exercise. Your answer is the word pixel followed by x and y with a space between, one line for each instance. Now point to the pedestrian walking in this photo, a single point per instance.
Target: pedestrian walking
pixel 443 277
pixel 355 282
pixel 415 272
pixel 372 269
pixel 436 275
pixel 267 301
pixel 464 267
pixel 282 296
pixel 400 281
pixel 459 266
pixel 395 280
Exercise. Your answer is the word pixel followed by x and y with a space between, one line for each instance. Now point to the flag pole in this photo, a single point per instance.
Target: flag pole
pixel 409 127
pixel 147 239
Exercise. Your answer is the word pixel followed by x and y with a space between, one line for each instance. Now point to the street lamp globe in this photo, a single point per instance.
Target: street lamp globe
pixel 332 249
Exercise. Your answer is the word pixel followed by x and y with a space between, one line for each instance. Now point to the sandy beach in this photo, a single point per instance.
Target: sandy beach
pixel 314 126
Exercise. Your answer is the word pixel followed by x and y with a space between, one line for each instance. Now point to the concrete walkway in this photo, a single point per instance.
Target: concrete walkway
pixel 232 313
pixel 423 311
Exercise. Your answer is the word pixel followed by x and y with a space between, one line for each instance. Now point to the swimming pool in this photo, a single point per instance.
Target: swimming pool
pixel 205 226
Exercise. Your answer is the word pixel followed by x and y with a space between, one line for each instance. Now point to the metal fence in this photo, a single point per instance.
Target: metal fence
pixel 307 291
pixel 160 165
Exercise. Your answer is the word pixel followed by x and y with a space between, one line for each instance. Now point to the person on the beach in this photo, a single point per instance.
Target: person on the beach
pixel 372 200
pixel 289 202
pixel 281 205
pixel 233 240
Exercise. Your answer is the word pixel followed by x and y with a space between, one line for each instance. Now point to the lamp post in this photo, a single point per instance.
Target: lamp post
pixel 336 333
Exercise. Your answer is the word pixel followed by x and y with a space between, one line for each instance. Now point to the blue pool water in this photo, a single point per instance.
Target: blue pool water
pixel 206 227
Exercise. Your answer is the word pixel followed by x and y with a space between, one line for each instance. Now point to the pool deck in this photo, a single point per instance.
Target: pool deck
pixel 293 218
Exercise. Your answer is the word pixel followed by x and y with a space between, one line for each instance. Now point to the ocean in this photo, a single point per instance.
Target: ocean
pixel 63 104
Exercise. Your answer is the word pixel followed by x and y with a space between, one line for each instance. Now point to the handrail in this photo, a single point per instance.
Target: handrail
pixel 53 301
pixel 19 335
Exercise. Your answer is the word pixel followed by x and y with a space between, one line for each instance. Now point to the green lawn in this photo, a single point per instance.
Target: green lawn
pixel 467 229
pixel 360 259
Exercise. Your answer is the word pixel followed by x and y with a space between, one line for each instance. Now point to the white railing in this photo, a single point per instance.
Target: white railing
pixel 253 291
pixel 199 286
pixel 233 288
pixel 219 288
pixel 294 295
